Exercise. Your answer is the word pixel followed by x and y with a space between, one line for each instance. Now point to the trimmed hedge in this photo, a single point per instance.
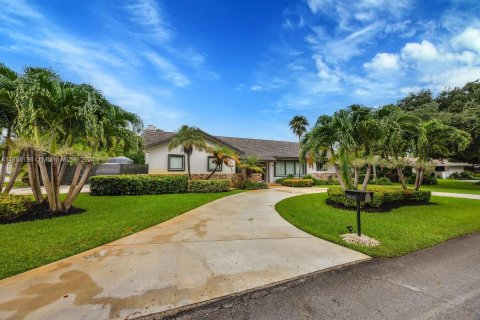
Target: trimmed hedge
pixel 321 182
pixel 383 181
pixel 297 182
pixel 13 206
pixel 208 186
pixel 384 198
pixel 252 185
pixel 113 185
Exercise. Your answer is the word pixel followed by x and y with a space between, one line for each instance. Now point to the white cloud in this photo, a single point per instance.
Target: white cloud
pixel 468 39
pixel 148 14
pixel 423 51
pixel 169 71
pixel 257 88
pixel 383 61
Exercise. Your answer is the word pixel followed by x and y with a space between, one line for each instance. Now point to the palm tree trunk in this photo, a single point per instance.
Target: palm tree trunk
pixel 63 169
pixel 74 183
pixel 419 179
pixel 33 177
pixel 374 172
pixel 299 141
pixel 47 184
pixel 355 180
pixel 3 170
pixel 211 174
pixel 401 177
pixel 55 184
pixel 14 174
pixel 69 200
pixel 188 167
pixel 339 176
pixel 367 177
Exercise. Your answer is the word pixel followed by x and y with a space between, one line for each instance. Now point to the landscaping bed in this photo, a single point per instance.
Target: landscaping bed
pixel 401 231
pixel 385 198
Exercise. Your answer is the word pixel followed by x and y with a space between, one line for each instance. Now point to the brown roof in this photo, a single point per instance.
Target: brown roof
pixel 263 149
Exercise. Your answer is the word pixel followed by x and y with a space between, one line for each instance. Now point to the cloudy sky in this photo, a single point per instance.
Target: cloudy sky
pixel 244 68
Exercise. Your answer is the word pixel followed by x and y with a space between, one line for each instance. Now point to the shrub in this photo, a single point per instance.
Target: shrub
pixel 384 197
pixel 297 182
pixel 255 185
pixel 427 179
pixel 137 184
pixel 384 181
pixel 208 186
pixel 465 175
pixel 12 206
pixel 320 182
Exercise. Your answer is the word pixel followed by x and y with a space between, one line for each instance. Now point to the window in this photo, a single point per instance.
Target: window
pixel 440 168
pixel 212 165
pixel 176 162
pixel 322 166
pixel 284 168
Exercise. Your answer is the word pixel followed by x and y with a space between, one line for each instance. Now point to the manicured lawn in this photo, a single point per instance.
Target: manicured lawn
pixel 454 186
pixel 27 245
pixel 400 231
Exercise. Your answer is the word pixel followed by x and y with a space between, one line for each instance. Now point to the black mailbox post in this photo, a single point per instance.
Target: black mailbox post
pixel 358 196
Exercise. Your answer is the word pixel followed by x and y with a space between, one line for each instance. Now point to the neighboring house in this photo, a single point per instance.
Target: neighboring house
pixel 280 158
pixel 444 168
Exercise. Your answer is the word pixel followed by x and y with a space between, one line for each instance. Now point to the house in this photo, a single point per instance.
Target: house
pixel 279 158
pixel 444 168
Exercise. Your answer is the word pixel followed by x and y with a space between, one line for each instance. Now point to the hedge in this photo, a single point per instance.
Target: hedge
pixel 384 197
pixel 297 182
pixel 383 181
pixel 255 185
pixel 12 206
pixel 207 186
pixel 137 184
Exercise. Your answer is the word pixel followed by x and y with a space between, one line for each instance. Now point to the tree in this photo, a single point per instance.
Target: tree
pixel 222 156
pixel 435 138
pixel 189 139
pixel 251 165
pixel 8 114
pixel 299 125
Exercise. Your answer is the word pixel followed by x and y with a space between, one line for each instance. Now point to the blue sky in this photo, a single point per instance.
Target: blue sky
pixel 244 68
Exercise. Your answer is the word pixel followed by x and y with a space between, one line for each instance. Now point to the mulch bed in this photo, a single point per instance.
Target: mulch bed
pixel 40 212
pixel 384 208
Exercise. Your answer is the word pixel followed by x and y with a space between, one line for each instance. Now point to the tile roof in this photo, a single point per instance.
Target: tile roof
pixel 263 149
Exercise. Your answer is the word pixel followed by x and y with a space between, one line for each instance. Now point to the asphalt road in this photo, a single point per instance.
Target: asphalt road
pixel 442 282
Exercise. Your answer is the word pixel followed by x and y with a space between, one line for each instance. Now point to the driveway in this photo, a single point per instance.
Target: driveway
pixel 224 247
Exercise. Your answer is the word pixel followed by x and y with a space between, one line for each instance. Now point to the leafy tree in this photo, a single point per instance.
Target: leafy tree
pixel 189 139
pixel 299 125
pixel 251 165
pixel 222 156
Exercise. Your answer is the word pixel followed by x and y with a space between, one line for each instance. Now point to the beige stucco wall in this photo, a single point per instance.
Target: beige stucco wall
pixel 157 160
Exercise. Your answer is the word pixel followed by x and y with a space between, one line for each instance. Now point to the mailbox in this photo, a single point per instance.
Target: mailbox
pixel 359 196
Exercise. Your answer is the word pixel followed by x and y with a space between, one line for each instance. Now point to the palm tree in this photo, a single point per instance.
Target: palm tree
pixel 299 125
pixel 8 114
pixel 435 138
pixel 222 155
pixel 189 139
pixel 251 165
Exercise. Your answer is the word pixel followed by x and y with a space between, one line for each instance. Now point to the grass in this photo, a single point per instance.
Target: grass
pixel 400 231
pixel 27 245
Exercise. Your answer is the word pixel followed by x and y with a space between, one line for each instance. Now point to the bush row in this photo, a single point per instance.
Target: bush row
pixel 113 185
pixel 254 185
pixel 383 197
pixel 208 186
pixel 297 182
pixel 12 206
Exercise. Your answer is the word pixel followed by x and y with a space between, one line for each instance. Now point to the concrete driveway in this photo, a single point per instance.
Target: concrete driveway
pixel 224 247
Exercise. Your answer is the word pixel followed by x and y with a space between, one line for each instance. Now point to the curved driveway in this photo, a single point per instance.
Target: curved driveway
pixel 224 247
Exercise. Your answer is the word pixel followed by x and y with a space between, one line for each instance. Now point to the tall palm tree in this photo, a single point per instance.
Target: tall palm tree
pixel 189 139
pixel 299 125
pixel 222 156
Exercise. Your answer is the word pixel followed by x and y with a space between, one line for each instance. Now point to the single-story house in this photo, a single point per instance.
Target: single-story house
pixel 445 168
pixel 279 158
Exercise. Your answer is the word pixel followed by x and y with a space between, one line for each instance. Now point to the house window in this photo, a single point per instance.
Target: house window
pixel 176 162
pixel 212 165
pixel 322 166
pixel 284 168
pixel 440 168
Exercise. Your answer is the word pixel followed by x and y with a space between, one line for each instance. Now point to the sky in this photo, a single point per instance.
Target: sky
pixel 244 68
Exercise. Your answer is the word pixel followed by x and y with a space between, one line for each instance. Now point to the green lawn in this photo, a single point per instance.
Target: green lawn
pixel 27 245
pixel 400 231
pixel 454 186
